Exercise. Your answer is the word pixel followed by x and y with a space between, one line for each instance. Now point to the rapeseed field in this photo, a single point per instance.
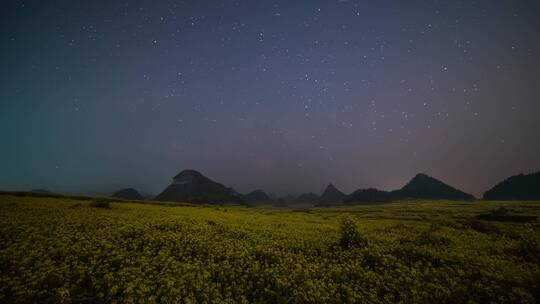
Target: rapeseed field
pixel 62 250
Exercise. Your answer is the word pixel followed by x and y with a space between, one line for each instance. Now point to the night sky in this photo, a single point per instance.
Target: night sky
pixel 281 95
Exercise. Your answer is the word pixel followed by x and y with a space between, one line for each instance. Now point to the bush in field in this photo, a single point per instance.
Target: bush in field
pixel 430 239
pixel 100 204
pixel 351 236
pixel 529 249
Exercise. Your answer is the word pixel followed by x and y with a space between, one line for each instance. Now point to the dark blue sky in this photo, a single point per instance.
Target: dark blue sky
pixel 281 95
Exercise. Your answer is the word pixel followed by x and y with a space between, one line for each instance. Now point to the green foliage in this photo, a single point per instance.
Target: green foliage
pixel 350 236
pixel 61 250
pixel 529 248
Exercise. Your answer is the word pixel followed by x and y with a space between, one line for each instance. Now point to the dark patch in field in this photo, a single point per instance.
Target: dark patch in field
pixel 427 238
pixel 411 254
pixel 502 214
pixel 10 204
pixel 100 204
pixel 481 226
pixel 529 249
pixel 265 257
pixel 507 218
pixel 302 210
pixel 173 204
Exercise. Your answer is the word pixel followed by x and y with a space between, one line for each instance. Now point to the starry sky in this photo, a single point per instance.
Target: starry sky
pixel 281 95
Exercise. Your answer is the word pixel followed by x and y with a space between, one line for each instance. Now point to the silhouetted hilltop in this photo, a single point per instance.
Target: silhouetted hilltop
pixel 257 196
pixel 129 194
pixel 272 196
pixel 192 186
pixel 288 198
pixel 311 198
pixel 41 191
pixel 421 186
pixel 370 195
pixel 517 187
pixel 331 195
pixel 427 187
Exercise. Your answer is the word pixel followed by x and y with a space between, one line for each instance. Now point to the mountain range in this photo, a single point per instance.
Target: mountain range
pixel 192 186
pixel 421 186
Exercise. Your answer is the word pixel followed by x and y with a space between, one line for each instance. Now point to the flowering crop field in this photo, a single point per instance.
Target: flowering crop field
pixel 62 250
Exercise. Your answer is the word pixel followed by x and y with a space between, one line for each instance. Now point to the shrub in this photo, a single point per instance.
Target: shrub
pixel 351 236
pixel 529 249
pixel 431 239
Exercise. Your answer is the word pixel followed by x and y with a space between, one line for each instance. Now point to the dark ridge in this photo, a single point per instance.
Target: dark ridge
pixel 193 187
pixel 331 196
pixel 129 194
pixel 41 191
pixel 517 187
pixel 187 176
pixel 307 198
pixel 257 196
pixel 421 186
pixel 288 198
pixel 370 195
pixel 426 187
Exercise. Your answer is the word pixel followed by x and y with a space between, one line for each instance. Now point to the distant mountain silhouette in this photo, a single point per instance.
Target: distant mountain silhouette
pixel 427 187
pixel 307 198
pixel 129 194
pixel 41 191
pixel 272 196
pixel 331 195
pixel 370 195
pixel 288 198
pixel 257 196
pixel 517 187
pixel 421 186
pixel 192 186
